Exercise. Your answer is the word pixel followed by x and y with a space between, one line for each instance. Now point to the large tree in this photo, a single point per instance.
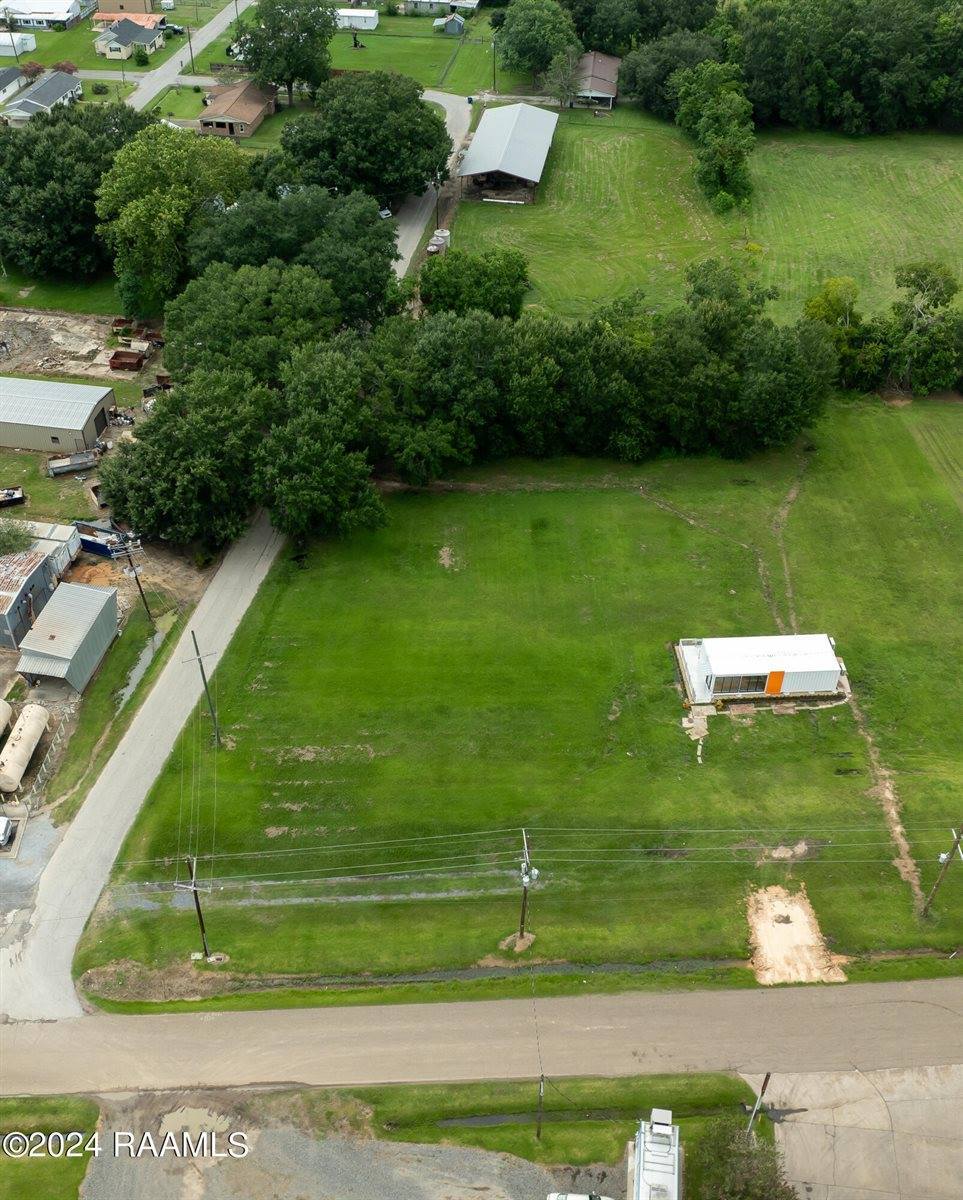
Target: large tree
pixel 645 72
pixel 494 281
pixel 287 43
pixel 49 174
pixel 712 108
pixel 734 1165
pixel 247 318
pixel 342 237
pixel 372 133
pixel 562 79
pixel 190 474
pixel 533 33
pixel 158 189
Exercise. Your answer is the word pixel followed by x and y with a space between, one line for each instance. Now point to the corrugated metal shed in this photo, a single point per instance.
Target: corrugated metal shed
pixel 71 635
pixel 44 402
pixel 513 140
pixel 14 570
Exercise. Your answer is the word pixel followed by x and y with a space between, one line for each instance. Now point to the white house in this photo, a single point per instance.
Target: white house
pixel 756 667
pixel 440 6
pixel 357 18
pixel 124 37
pixel 46 14
pixel 45 93
pixel 12 79
pixel 12 44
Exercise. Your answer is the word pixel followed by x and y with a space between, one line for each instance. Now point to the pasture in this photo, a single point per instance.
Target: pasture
pixel 618 209
pixel 399 706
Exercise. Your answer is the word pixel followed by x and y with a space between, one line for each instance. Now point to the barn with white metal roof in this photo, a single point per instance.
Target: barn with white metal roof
pixel 71 635
pixel 754 667
pixel 40 414
pixel 510 146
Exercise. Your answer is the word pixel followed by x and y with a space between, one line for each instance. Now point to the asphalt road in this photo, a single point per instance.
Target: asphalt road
pixel 820 1028
pixel 35 979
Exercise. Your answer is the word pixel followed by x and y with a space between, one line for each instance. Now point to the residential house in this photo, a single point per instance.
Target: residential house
pixel 430 7
pixel 46 14
pixel 124 37
pixel 52 88
pixel 12 79
pixel 236 109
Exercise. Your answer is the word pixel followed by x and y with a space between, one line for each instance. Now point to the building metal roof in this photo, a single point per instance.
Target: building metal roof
pixel 8 75
pixel 15 570
pixel 455 19
pixel 46 403
pixel 598 74
pixel 243 101
pixel 64 623
pixel 760 655
pixel 42 10
pixel 514 139
pixel 148 20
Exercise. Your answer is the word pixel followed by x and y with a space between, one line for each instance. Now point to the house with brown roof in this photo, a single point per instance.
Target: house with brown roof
pixel 598 79
pixel 236 109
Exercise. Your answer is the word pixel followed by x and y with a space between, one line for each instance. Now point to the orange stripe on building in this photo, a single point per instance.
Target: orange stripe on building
pixel 774 682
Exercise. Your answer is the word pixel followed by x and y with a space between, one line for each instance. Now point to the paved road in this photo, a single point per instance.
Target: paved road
pixel 864 1026
pixel 35 979
pixel 880 1135
pixel 154 82
pixel 418 210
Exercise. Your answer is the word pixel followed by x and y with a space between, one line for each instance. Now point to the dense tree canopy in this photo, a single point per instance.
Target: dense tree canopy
pixel 534 31
pixel 372 133
pixel 287 43
pixel 645 72
pixel 49 174
pixel 247 318
pixel 341 237
pixel 495 282
pixel 711 106
pixel 158 189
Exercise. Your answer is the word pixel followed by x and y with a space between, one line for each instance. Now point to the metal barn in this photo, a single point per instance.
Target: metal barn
pixel 754 667
pixel 71 635
pixel 38 414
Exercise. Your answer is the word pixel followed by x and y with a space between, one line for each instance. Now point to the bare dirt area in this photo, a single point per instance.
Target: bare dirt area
pixel 40 342
pixel 787 945
pixel 161 570
pixel 312 1145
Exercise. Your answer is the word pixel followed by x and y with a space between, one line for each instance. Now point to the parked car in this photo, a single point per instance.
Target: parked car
pixel 169 28
pixel 6 830
pixel 385 213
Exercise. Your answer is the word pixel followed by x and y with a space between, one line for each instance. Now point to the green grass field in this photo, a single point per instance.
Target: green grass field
pixel 179 102
pixel 45 1178
pixel 618 209
pixel 117 92
pixel 380 694
pixel 81 296
pixel 77 46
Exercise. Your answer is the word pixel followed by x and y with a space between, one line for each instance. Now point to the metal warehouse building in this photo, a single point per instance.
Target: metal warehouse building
pixel 27 581
pixel 71 635
pixel 748 667
pixel 38 414
pixel 510 146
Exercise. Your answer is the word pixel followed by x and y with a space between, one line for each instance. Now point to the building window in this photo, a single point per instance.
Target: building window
pixel 55 440
pixel 738 685
pixel 100 421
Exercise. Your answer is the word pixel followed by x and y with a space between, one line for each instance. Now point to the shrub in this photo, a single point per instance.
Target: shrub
pixel 99 88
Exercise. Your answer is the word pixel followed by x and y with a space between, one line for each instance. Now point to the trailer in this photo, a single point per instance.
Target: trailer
pixel 83 460
pixel 105 539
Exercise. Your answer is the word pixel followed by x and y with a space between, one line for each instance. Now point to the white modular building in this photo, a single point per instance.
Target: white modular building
pixel 753 667
pixel 357 18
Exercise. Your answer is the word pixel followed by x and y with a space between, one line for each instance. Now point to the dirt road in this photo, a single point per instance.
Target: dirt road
pixel 817 1028
pixel 35 979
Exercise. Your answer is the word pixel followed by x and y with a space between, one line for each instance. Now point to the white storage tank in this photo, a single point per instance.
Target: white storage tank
pixel 16 755
pixel 6 712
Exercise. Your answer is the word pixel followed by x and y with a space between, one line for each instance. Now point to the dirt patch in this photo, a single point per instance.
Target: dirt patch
pixel 518 944
pixel 41 341
pixel 447 559
pixel 327 754
pixel 884 790
pixel 787 945
pixel 274 831
pixel 129 980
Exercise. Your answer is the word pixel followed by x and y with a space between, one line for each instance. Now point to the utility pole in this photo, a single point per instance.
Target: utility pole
pixel 135 571
pixel 541 1107
pixel 207 691
pixel 528 876
pixel 190 47
pixel 945 859
pixel 494 59
pixel 192 887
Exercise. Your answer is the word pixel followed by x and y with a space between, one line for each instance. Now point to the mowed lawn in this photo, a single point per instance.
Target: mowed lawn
pixel 43 1177
pixel 618 209
pixel 498 657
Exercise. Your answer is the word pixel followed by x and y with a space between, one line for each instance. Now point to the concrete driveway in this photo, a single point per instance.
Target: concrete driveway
pixel 878 1135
